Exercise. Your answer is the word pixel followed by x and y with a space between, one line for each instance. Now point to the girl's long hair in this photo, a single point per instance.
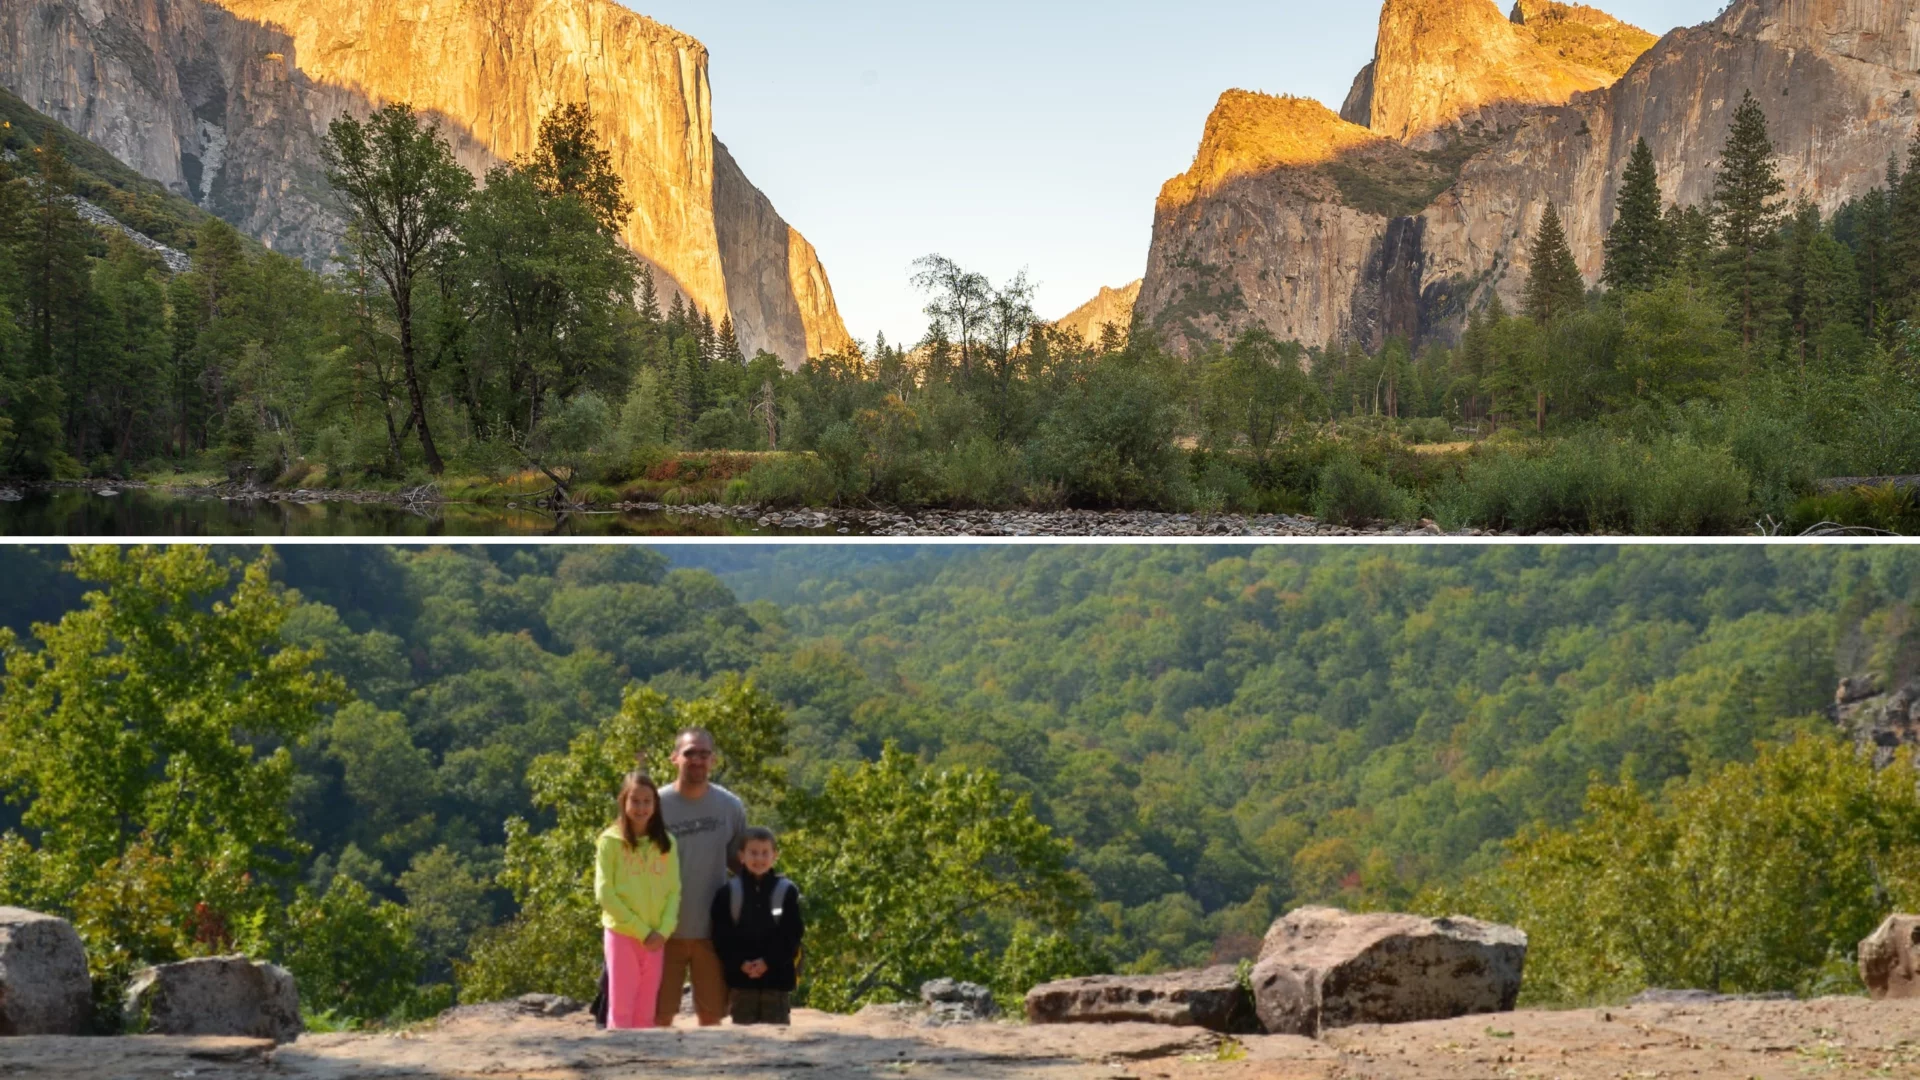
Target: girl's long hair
pixel 656 825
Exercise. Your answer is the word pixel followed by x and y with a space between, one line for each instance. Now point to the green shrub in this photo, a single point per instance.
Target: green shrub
pixel 1887 509
pixel 979 474
pixel 788 480
pixel 1596 484
pixel 1348 493
pixel 1222 485
pixel 350 953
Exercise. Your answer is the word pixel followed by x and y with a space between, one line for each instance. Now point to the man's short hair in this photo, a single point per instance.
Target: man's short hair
pixel 698 732
pixel 759 832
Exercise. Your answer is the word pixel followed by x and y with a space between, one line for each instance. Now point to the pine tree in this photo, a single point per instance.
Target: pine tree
pixel 730 342
pixel 709 339
pixel 1689 240
pixel 649 295
pixel 1871 243
pixel 1821 283
pixel 1903 270
pixel 1749 212
pixel 677 312
pixel 1637 250
pixel 1554 285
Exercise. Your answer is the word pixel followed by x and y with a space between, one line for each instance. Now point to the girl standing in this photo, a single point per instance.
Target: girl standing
pixel 636 879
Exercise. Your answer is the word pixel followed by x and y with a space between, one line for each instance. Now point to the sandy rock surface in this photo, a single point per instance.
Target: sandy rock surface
pixel 1837 1038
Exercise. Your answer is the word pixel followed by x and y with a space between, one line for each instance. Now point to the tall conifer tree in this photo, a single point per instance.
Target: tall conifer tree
pixel 1636 246
pixel 1903 270
pixel 1749 212
pixel 1554 285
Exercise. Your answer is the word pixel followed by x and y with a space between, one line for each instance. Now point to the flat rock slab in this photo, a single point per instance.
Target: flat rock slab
pixel 220 995
pixel 44 988
pixel 1212 999
pixel 1323 968
pixel 1890 959
pixel 1837 1038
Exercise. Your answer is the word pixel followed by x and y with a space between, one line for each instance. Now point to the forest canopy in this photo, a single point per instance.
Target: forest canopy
pixel 1158 750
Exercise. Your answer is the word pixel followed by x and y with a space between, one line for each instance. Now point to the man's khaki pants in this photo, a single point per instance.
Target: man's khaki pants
pixel 695 957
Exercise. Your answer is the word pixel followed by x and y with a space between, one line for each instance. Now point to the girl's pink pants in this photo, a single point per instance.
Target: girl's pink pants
pixel 633 982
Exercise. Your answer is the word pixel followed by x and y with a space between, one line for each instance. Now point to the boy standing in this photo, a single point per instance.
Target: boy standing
pixel 757 930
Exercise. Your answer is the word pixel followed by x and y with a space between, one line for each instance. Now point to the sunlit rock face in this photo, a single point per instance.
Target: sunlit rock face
pixel 1404 236
pixel 1443 65
pixel 226 101
pixel 1111 307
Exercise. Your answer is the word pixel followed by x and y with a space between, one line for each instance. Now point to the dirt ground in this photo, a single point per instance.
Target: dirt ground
pixel 1839 1038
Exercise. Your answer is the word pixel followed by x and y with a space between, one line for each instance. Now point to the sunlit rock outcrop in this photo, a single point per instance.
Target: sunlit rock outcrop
pixel 226 101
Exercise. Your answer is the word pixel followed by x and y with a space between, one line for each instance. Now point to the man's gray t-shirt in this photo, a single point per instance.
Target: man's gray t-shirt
pixel 706 833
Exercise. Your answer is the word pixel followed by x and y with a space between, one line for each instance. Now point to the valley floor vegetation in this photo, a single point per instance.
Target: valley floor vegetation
pixel 498 337
pixel 384 768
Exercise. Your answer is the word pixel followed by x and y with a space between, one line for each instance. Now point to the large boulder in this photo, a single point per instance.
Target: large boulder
pixel 1212 999
pixel 220 995
pixel 1890 959
pixel 44 989
pixel 1323 968
pixel 949 1002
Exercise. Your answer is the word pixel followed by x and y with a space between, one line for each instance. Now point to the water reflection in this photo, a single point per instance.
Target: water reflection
pixel 139 512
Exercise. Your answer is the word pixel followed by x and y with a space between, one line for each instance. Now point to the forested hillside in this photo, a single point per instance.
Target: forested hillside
pixel 1219 734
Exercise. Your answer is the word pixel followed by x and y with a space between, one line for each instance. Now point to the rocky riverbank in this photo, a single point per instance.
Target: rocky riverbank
pixel 428 500
pixel 1041 523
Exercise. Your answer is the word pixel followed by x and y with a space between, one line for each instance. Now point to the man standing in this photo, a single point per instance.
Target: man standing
pixel 708 824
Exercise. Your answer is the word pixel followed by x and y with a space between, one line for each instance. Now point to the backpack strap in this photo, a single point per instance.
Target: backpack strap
pixel 783 889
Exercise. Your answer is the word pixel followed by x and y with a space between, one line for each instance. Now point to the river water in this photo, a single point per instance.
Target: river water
pixel 147 512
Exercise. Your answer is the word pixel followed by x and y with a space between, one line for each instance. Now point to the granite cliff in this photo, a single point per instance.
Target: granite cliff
pixel 226 101
pixel 1406 233
pixel 1111 306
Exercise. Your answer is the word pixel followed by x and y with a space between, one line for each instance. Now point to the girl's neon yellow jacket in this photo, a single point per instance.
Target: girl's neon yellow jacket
pixel 638 890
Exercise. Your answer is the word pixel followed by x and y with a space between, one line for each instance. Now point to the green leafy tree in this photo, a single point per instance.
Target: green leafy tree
pixel 907 867
pixel 148 738
pixel 404 193
pixel 1758 877
pixel 1638 248
pixel 1748 214
pixel 353 954
pixel 1252 392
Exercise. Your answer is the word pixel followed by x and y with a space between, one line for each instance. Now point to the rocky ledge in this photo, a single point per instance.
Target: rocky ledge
pixel 1840 1038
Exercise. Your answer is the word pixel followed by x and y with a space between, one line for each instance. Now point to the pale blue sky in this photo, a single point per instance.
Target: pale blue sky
pixel 1005 134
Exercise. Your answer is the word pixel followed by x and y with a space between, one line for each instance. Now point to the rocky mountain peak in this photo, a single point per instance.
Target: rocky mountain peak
pixel 1249 134
pixel 1444 65
pixel 1583 35
pixel 1111 306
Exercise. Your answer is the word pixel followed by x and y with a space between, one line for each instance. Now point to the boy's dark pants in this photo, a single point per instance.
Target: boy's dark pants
pixel 762 1007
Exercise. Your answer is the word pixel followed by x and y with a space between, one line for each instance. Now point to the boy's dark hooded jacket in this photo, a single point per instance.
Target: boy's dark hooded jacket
pixel 757 936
